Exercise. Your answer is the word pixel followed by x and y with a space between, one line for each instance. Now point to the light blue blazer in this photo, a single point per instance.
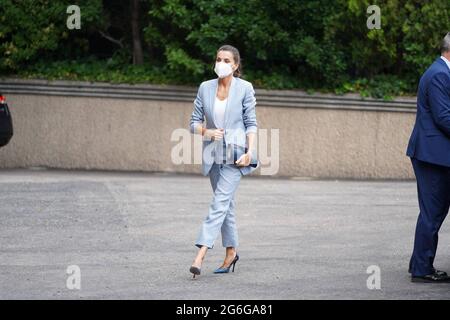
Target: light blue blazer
pixel 239 120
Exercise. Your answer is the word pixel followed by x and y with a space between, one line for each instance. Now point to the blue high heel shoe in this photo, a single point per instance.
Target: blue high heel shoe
pixel 227 269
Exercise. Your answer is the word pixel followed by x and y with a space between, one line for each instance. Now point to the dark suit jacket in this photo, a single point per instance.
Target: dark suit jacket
pixel 430 139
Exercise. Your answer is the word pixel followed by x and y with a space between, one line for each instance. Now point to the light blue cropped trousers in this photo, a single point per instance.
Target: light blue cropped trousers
pixel 224 178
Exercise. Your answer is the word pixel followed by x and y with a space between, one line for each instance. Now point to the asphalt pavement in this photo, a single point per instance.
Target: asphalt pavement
pixel 130 235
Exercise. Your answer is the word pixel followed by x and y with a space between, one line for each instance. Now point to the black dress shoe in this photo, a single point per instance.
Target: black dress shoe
pixel 432 278
pixel 439 272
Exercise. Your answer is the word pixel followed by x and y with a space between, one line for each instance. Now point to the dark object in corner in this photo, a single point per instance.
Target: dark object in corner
pixel 6 126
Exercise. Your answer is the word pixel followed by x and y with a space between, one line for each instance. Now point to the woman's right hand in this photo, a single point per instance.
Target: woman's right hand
pixel 214 134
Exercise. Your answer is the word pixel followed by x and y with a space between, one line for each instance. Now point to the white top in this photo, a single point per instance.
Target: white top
pixel 219 112
pixel 446 61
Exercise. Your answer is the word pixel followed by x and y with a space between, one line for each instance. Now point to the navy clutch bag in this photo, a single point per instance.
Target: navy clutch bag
pixel 235 151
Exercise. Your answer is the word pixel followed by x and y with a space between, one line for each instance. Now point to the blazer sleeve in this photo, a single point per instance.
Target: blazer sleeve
pixel 249 110
pixel 439 97
pixel 198 114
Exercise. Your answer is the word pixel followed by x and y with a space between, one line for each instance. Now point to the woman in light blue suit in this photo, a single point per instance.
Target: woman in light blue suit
pixel 227 103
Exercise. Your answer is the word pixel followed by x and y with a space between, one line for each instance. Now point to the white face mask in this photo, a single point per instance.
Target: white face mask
pixel 223 69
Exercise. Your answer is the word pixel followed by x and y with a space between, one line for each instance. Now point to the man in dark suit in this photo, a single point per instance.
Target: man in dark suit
pixel 429 150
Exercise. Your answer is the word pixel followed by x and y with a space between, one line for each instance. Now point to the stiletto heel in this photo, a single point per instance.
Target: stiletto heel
pixel 227 269
pixel 195 271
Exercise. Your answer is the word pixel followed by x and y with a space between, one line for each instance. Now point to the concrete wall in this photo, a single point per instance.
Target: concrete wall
pixel 119 127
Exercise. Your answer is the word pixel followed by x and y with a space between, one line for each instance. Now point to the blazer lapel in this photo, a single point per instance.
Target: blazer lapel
pixel 212 99
pixel 230 96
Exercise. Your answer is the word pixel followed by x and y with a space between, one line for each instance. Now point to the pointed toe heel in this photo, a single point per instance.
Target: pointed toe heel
pixel 227 269
pixel 195 271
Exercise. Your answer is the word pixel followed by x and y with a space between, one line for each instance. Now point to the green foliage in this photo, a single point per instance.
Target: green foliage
pixel 284 44
pixel 112 71
pixel 36 29
pixel 179 63
pixel 383 87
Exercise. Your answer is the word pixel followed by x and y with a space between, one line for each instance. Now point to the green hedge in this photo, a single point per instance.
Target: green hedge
pixel 312 45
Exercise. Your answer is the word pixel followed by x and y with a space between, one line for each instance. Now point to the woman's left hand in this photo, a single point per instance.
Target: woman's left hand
pixel 244 160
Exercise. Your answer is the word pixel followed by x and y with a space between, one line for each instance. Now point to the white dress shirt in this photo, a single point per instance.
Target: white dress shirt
pixel 219 117
pixel 219 112
pixel 446 61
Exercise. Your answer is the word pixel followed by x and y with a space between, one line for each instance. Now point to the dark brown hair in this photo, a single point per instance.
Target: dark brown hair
pixel 236 57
